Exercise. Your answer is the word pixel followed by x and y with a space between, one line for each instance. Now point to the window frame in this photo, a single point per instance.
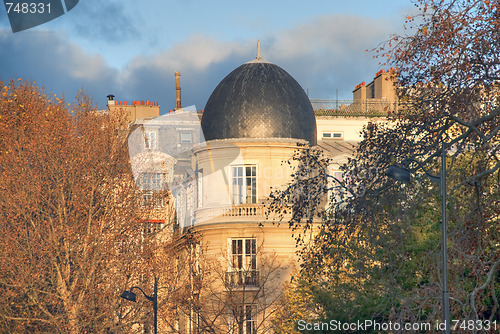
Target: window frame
pixel 241 195
pixel 245 255
pixel 150 139
pixel 150 184
pixel 199 188
pixel 338 135
pixel 185 141
pixel 243 321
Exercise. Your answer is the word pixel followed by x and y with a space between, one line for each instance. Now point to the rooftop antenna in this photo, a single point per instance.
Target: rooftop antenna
pixel 258 50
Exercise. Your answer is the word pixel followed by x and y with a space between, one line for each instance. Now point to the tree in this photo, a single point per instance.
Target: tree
pixel 72 236
pixel 219 300
pixel 378 241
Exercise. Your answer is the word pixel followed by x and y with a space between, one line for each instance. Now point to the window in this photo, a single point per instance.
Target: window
pixel 153 226
pixel 244 254
pixel 200 187
pixel 334 135
pixel 151 184
pixel 242 263
pixel 244 319
pixel 186 137
pixel 152 181
pixel 244 185
pixel 150 139
pixel 336 186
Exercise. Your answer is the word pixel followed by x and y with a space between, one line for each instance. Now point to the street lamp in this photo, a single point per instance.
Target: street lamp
pixel 129 295
pixel 402 174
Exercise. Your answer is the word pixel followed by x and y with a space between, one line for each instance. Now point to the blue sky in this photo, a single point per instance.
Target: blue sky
pixel 132 48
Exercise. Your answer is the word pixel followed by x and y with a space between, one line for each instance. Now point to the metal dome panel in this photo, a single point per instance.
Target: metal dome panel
pixel 259 100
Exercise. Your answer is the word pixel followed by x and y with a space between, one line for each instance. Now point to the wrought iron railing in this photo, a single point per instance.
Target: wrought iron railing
pixel 242 278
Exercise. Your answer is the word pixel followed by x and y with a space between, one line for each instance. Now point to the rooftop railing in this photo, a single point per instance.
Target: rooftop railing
pixel 354 108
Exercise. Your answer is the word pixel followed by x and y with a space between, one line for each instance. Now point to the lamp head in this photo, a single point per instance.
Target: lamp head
pixel 129 295
pixel 398 173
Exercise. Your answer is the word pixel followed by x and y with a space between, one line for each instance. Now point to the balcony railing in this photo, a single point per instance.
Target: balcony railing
pixel 245 210
pixel 242 278
pixel 354 108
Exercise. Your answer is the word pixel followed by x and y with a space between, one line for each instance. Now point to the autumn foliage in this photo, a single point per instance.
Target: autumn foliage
pixel 70 238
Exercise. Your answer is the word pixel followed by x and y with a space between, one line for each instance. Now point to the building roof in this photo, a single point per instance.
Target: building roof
pixel 338 150
pixel 259 100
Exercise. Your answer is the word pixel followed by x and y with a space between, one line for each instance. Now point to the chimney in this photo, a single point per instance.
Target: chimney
pixel 178 90
pixel 111 99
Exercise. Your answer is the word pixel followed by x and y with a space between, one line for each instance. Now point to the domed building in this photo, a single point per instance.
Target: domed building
pixel 233 257
pixel 259 100
pixel 255 120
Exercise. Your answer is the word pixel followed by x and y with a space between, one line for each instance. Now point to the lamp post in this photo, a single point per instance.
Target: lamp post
pixel 129 295
pixel 402 174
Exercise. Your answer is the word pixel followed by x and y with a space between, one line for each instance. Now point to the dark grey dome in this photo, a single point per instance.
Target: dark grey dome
pixel 259 100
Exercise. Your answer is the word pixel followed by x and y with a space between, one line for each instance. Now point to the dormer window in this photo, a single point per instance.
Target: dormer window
pixel 186 137
pixel 150 141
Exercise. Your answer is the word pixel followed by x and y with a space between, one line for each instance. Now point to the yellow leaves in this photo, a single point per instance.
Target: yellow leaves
pixel 424 30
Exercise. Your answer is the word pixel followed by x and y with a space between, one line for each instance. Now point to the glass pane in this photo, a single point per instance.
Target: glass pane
pixel 248 315
pixel 248 246
pixel 239 246
pixel 186 137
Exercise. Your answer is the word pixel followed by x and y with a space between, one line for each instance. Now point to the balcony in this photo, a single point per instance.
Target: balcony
pixel 244 212
pixel 242 279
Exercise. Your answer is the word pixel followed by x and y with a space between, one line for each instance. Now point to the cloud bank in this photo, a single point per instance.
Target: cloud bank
pixel 323 55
